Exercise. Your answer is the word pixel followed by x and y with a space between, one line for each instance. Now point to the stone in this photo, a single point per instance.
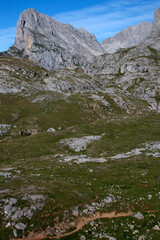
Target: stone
pixel 112 238
pixel 51 130
pixel 135 232
pixel 8 225
pixel 15 234
pixel 79 144
pixel 12 201
pixel 75 212
pixel 139 216
pixel 108 200
pixel 20 226
pixel 92 223
pixel 5 174
pixel 131 227
pixel 29 214
pixel 142 238
pixel 149 197
pixel 82 237
pixel 156 228
pixel 17 215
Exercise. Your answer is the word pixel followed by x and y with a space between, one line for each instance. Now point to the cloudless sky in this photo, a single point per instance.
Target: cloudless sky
pixel 104 18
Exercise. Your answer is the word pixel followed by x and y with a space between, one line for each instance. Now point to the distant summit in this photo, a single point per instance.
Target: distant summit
pixel 53 44
pixel 128 37
pixel 145 33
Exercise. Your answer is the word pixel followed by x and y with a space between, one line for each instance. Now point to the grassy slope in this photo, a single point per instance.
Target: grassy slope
pixel 67 185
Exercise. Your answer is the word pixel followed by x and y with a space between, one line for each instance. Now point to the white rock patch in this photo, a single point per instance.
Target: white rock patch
pixel 79 144
pixel 150 149
pixel 83 159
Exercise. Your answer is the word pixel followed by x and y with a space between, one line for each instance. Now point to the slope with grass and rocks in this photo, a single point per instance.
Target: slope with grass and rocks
pixel 80 147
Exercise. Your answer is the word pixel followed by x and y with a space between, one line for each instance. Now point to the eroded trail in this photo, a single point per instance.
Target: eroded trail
pixel 98 215
pixel 81 223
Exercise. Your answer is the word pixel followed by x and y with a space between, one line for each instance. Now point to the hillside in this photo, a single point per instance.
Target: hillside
pixel 79 135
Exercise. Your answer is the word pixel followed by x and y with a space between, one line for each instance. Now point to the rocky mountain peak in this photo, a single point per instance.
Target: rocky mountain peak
pixel 157 18
pixel 53 44
pixel 128 37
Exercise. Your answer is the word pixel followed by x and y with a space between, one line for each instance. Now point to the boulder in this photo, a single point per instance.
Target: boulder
pixel 51 130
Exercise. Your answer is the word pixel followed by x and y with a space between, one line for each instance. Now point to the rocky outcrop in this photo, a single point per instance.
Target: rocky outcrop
pixel 128 37
pixel 156 23
pixel 133 72
pixel 53 44
pixel 153 39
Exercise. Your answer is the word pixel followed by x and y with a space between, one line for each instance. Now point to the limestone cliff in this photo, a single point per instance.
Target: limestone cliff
pixel 53 44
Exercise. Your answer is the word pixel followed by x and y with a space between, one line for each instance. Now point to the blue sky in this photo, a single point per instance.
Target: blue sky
pixel 104 18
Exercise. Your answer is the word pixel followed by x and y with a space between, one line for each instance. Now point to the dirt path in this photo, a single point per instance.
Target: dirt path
pixel 81 223
pixel 84 220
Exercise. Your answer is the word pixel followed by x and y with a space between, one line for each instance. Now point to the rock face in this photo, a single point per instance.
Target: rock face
pixel 128 37
pixel 144 33
pixel 133 71
pixel 129 76
pixel 53 44
pixel 153 39
pixel 156 22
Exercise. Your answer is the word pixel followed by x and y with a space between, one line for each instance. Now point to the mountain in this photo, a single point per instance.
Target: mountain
pixel 79 145
pixel 53 44
pixel 153 39
pixel 132 72
pixel 128 37
pixel 130 76
pixel 144 33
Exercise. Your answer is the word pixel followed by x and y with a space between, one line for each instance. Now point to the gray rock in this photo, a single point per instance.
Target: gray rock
pixel 75 212
pixel 28 213
pixel 12 201
pixel 20 226
pixel 143 34
pixel 15 234
pixel 79 144
pixel 51 130
pixel 53 44
pixel 5 126
pixel 156 22
pixel 135 232
pixel 153 39
pixel 6 174
pixel 128 37
pixel 17 215
pixel 142 238
pixel 82 237
pixel 3 133
pixel 4 129
pixel 112 238
pixel 139 216
pixel 108 200
pixel 156 228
